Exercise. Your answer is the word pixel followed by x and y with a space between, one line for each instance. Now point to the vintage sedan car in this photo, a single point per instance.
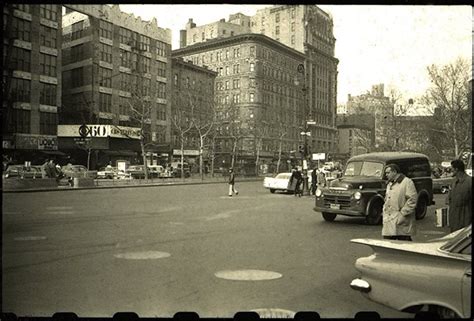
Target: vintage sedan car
pixel 136 171
pixel 278 183
pixel 408 276
pixel 21 171
pixel 107 172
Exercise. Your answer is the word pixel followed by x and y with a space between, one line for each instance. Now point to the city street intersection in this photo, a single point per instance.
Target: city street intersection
pixel 164 249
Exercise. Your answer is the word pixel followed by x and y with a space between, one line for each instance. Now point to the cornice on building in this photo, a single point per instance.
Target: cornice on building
pixel 187 64
pixel 224 42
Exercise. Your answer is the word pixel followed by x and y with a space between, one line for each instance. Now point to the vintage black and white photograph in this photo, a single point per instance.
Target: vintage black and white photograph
pixel 225 158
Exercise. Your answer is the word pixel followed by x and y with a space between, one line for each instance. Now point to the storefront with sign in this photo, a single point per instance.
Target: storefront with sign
pixel 99 145
pixel 21 148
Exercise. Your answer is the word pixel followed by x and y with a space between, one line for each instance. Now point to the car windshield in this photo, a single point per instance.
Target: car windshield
pixel 364 168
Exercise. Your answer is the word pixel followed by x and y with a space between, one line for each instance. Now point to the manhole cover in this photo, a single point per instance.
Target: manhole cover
pixel 30 238
pixel 248 275
pixel 147 255
pixel 275 313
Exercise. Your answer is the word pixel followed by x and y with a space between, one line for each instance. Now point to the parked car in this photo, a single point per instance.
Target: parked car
pixel 21 171
pixel 156 171
pixel 107 172
pixel 77 171
pixel 361 189
pixel 136 171
pixel 176 169
pixel 408 276
pixel 441 184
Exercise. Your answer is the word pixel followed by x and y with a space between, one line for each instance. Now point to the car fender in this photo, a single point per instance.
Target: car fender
pixel 376 197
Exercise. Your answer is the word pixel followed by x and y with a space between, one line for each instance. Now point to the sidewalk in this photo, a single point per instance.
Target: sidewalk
pixel 127 183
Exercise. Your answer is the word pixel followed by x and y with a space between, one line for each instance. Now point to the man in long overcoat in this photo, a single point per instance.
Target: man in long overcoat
pixel 459 197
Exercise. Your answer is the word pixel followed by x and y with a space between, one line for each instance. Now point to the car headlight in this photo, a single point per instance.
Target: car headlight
pixel 357 195
pixel 319 192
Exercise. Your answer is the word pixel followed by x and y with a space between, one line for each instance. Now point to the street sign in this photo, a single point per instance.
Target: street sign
pixel 319 156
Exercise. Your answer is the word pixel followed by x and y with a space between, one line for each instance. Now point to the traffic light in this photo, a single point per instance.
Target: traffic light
pixel 301 149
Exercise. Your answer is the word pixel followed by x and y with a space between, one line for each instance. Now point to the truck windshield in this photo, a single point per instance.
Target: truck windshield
pixel 364 168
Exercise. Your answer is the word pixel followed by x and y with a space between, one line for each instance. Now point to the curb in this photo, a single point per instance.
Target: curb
pixel 67 188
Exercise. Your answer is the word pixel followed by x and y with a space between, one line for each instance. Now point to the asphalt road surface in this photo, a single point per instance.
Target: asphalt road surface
pixel 160 250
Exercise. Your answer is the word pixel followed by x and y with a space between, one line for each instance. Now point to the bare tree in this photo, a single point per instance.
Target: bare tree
pixel 259 131
pixel 203 118
pixel 448 98
pixel 181 119
pixel 232 128
pixel 281 126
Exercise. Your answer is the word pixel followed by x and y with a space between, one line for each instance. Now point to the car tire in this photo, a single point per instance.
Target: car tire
pixel 421 208
pixel 374 213
pixel 329 217
pixel 272 190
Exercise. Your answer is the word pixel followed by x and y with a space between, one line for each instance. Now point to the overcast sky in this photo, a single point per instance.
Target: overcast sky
pixel 374 44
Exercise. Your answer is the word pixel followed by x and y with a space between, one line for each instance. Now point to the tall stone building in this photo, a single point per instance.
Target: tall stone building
pixel 192 98
pixel 31 81
pixel 306 29
pixel 116 71
pixel 378 105
pixel 260 106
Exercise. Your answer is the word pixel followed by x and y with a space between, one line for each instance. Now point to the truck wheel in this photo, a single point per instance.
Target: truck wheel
pixel 421 208
pixel 272 190
pixel 329 217
pixel 374 214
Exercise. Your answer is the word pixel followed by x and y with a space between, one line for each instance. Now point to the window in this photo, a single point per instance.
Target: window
pixel 125 36
pixel 22 7
pixel 20 90
pixel 293 11
pixel 251 97
pixel 145 65
pixel 277 30
pixel 105 29
pixel 48 37
pixel 277 17
pixel 194 38
pixel 226 70
pixel 227 55
pixel 125 58
pixel 144 43
pixel 105 102
pixel 77 77
pixel 292 39
pixel 236 69
pixel 161 111
pixel 252 51
pixel 105 77
pixel 49 11
pixel 47 94
pixel 48 65
pixel 236 52
pixel 21 29
pixel 20 59
pixel 227 85
pixel 161 90
pixel 77 53
pixel 236 83
pixel 125 81
pixel 146 87
pixel 161 68
pixel 77 30
pixel 105 52
pixel 252 66
pixel 292 26
pixel 176 79
pixel 48 123
pixel 124 106
pixel 20 120
pixel 236 98
pixel 203 37
pixel 161 49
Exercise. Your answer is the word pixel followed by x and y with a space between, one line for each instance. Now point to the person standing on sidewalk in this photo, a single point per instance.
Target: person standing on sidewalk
pixel 232 183
pixel 460 197
pixel 399 206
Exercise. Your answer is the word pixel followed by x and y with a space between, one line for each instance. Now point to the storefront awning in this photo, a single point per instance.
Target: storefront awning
pixel 119 152
pixel 53 152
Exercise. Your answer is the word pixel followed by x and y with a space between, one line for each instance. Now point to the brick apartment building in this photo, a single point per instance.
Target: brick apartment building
pixel 114 63
pixel 31 81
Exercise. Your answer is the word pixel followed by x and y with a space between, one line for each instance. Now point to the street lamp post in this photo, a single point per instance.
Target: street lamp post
pixel 305 133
